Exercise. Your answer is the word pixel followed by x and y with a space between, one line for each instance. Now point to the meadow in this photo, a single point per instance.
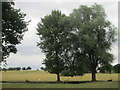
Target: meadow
pixel 45 76
pixel 46 85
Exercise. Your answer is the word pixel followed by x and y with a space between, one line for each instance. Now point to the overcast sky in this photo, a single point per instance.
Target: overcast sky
pixel 28 53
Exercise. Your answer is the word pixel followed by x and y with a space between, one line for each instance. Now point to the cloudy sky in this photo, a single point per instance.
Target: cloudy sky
pixel 28 53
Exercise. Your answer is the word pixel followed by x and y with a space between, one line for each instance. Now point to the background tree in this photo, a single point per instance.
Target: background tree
pixel 23 68
pixel 51 33
pixel 10 68
pixel 0 69
pixel 106 69
pixel 13 28
pixel 117 68
pixel 18 68
pixel 29 68
pixel 42 68
pixel 4 69
pixel 14 68
pixel 95 36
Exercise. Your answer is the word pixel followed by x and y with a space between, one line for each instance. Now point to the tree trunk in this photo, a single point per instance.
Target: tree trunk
pixel 93 75
pixel 58 77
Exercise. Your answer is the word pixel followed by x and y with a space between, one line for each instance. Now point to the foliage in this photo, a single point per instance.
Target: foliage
pixel 51 33
pixel 13 28
pixel 106 69
pixel 4 69
pixel 117 68
pixel 11 69
pixel 28 68
pixel 95 35
pixel 18 68
pixel 23 68
pixel 76 43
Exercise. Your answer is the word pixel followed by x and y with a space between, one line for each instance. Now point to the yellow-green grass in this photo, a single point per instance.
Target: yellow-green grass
pixel 45 76
pixel 48 85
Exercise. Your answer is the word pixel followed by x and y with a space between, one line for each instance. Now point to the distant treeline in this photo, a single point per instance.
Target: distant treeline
pixel 15 68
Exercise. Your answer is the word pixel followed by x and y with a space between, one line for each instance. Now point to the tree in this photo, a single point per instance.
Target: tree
pixel 23 68
pixel 13 28
pixel 4 69
pixel 0 69
pixel 18 68
pixel 117 68
pixel 95 36
pixel 52 33
pixel 42 68
pixel 10 68
pixel 106 69
pixel 28 68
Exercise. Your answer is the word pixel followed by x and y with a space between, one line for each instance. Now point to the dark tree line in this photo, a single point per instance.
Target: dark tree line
pixel 15 68
pixel 11 69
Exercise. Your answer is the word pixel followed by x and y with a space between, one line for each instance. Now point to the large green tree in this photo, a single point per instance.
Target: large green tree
pixel 13 28
pixel 51 32
pixel 95 35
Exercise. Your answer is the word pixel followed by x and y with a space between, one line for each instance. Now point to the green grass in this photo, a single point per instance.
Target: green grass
pixel 81 85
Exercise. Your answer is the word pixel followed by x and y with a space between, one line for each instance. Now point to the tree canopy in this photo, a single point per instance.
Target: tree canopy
pixel 76 43
pixel 28 68
pixel 51 34
pixel 13 28
pixel 95 36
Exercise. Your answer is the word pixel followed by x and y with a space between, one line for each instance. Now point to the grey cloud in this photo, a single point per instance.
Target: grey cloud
pixel 35 61
pixel 29 50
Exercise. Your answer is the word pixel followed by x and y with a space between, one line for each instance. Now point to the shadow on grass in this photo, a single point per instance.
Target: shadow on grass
pixel 68 82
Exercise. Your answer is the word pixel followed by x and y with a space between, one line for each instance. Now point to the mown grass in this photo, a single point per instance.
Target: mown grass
pixel 45 76
pixel 43 85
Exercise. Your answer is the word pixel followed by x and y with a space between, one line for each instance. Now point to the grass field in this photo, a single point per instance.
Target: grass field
pixel 45 76
pixel 81 85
